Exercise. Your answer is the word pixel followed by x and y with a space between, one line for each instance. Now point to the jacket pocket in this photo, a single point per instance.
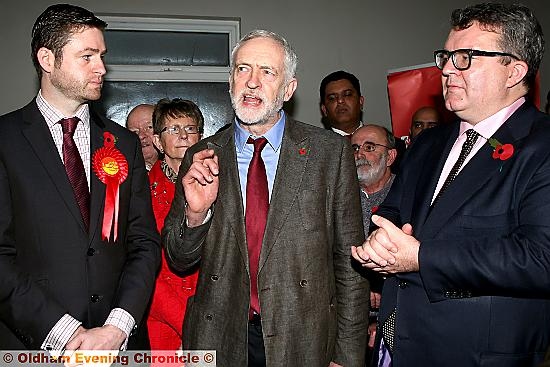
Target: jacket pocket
pixel 510 360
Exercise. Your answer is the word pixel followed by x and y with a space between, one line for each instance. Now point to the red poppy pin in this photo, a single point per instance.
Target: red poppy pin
pixel 303 151
pixel 374 209
pixel 111 167
pixel 501 151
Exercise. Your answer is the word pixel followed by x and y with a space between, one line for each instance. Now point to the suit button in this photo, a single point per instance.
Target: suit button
pixel 403 284
pixel 95 298
pixel 303 283
pixel 209 317
pixel 214 277
pixel 90 252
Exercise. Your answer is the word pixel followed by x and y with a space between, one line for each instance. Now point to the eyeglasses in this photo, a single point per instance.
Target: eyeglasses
pixel 462 58
pixel 176 129
pixel 367 146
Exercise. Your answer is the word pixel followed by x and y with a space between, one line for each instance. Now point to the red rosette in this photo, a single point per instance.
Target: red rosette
pixel 111 167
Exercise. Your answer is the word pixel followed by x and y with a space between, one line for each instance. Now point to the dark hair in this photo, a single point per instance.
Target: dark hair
pixel 54 27
pixel 175 108
pixel 521 33
pixel 335 76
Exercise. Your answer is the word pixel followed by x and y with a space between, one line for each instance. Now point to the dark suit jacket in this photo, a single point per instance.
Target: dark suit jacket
pixel 314 305
pixel 49 264
pixel 482 296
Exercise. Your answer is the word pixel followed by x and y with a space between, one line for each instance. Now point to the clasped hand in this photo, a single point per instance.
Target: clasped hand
pixel 389 249
pixel 107 338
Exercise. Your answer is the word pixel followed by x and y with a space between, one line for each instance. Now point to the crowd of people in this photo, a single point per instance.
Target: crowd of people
pixel 274 242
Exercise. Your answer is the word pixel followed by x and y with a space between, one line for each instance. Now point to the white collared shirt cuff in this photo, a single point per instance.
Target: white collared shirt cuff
pixel 60 334
pixel 208 216
pixel 122 320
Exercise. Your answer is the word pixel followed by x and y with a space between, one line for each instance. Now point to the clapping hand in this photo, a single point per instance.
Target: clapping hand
pixel 389 249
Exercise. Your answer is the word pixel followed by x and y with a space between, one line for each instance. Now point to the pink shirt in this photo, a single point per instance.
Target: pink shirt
pixel 485 128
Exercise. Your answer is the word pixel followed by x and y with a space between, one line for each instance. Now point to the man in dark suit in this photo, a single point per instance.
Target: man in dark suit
pixel 284 295
pixel 465 239
pixel 77 265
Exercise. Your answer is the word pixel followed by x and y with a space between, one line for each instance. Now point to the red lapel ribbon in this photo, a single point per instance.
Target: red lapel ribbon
pixel 111 167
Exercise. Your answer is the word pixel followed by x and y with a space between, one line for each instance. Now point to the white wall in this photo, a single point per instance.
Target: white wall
pixel 364 37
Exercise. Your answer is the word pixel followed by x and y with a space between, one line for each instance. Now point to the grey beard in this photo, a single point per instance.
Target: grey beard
pixel 374 173
pixel 272 110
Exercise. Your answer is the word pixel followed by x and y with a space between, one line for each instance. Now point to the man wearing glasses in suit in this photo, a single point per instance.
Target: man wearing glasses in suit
pixel 464 240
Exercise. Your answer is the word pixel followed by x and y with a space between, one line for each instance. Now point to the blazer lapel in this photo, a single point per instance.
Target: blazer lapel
pixel 97 188
pixel 430 171
pixel 290 172
pixel 229 195
pixel 476 173
pixel 38 135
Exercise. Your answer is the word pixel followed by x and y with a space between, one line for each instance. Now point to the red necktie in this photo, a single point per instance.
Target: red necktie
pixel 75 168
pixel 257 205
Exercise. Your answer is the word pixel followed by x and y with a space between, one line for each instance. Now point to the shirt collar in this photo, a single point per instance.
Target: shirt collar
pixel 53 115
pixel 486 128
pixel 274 136
pixel 343 133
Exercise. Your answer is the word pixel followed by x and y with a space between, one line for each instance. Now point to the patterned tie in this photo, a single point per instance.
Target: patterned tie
pixel 75 168
pixel 466 149
pixel 257 205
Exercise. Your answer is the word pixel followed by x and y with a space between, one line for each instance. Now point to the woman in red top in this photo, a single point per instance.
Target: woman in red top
pixel 177 125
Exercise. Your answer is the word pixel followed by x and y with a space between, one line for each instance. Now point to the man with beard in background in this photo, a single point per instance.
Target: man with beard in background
pixel 374 150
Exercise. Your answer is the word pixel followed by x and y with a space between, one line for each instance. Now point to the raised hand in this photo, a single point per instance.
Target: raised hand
pixel 200 185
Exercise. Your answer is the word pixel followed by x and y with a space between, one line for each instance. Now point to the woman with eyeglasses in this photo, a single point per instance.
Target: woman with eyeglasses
pixel 177 125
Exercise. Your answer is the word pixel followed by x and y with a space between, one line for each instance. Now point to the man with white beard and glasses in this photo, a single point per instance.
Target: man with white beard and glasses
pixel 276 284
pixel 374 151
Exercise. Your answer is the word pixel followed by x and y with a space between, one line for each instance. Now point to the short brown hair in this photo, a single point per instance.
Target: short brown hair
pixel 175 108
